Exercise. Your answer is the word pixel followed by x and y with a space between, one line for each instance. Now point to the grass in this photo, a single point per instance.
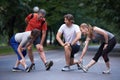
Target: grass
pixel 7 50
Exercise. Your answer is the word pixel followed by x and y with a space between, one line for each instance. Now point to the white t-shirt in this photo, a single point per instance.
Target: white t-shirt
pixel 69 33
pixel 23 38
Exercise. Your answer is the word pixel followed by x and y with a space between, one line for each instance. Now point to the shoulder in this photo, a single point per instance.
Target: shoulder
pixel 63 26
pixel 96 28
pixel 27 33
pixel 75 26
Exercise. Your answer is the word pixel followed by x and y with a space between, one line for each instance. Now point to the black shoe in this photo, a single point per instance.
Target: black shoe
pixel 27 69
pixel 78 66
pixel 16 69
pixel 32 66
pixel 48 65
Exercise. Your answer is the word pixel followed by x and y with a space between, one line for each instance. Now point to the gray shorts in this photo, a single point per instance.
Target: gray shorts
pixel 37 41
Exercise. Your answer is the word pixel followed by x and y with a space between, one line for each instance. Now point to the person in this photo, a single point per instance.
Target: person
pixel 106 39
pixel 19 42
pixel 71 34
pixel 37 21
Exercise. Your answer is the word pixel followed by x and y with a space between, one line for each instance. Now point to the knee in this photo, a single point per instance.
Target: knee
pixel 29 48
pixel 39 48
pixel 66 47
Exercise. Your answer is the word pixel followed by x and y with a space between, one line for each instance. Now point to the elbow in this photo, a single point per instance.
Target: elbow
pixel 56 37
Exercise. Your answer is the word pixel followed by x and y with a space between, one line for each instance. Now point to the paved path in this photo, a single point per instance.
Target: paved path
pixel 95 73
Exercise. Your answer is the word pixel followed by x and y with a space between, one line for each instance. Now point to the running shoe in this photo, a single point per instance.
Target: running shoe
pixel 16 69
pixel 32 67
pixel 106 71
pixel 66 68
pixel 48 65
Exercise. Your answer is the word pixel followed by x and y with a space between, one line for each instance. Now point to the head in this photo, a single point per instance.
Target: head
pixel 68 19
pixel 86 29
pixel 35 33
pixel 41 14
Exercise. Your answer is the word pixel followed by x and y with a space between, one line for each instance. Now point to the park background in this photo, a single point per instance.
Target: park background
pixel 102 13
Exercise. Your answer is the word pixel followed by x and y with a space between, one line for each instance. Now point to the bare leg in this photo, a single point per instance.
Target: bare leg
pixel 30 54
pixel 107 65
pixel 67 55
pixel 40 49
pixel 41 52
pixel 23 63
pixel 91 63
pixel 17 63
pixel 73 61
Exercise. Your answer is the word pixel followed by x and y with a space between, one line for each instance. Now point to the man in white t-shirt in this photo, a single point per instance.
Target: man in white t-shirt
pixel 71 34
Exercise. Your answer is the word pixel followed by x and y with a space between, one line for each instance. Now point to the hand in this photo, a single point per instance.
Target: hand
pixel 105 46
pixel 22 60
pixel 23 49
pixel 65 44
pixel 80 61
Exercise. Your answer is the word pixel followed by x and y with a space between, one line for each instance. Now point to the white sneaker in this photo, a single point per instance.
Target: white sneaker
pixel 66 68
pixel 85 69
pixel 106 71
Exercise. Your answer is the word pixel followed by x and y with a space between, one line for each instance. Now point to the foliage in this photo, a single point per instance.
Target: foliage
pixel 102 13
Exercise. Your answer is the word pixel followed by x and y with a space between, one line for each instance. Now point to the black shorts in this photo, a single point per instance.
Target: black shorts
pixel 75 49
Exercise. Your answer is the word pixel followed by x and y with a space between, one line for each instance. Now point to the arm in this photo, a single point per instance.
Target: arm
pixel 20 51
pixel 78 36
pixel 102 32
pixel 58 37
pixel 85 48
pixel 27 19
pixel 43 37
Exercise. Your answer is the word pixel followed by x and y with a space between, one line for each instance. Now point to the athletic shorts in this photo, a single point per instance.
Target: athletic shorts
pixel 75 49
pixel 14 44
pixel 37 41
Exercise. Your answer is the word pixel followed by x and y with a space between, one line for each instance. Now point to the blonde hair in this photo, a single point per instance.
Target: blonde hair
pixel 89 27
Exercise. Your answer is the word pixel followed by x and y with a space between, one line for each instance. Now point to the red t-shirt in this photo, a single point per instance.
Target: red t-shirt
pixel 34 23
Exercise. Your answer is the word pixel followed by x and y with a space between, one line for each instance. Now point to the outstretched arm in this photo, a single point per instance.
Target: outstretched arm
pixel 84 49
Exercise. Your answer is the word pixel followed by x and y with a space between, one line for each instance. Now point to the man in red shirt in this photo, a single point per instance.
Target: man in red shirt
pixel 37 21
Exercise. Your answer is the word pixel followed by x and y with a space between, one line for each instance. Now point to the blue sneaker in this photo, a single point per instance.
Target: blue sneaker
pixel 16 69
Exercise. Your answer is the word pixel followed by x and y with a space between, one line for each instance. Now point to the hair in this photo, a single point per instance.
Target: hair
pixel 42 11
pixel 89 27
pixel 35 33
pixel 69 17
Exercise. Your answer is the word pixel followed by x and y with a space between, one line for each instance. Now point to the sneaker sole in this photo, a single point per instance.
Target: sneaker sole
pixel 16 70
pixel 106 73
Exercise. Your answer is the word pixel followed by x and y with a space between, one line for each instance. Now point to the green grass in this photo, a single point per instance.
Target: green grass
pixel 7 50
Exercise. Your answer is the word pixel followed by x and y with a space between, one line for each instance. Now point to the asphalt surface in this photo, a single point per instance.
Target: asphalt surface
pixel 55 73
